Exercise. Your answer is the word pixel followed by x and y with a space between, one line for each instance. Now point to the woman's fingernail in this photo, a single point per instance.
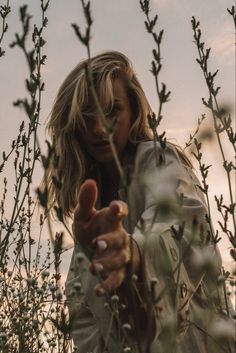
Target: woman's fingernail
pixel 119 210
pixel 99 290
pixel 101 245
pixel 98 267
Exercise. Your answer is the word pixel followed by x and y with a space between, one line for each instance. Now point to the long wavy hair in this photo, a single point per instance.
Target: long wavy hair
pixel 73 104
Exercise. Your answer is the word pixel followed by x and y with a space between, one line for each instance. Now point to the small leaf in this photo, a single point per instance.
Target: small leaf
pixel 233 254
pixel 43 197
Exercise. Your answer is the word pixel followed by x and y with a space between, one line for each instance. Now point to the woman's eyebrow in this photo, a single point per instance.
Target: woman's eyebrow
pixel 117 100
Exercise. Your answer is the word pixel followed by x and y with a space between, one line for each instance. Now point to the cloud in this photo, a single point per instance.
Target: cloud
pixel 164 3
pixel 179 131
pixel 223 45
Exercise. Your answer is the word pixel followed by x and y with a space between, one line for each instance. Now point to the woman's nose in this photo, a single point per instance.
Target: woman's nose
pixel 98 128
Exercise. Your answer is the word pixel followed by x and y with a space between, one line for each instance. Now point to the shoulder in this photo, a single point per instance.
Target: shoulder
pixel 169 166
pixel 164 172
pixel 150 155
pixel 158 171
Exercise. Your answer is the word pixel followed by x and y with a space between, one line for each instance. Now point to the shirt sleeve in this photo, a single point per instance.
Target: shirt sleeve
pixel 172 232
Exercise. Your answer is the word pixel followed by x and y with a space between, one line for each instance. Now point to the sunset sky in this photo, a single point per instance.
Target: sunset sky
pixel 119 25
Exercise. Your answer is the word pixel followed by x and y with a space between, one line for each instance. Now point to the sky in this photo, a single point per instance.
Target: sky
pixel 119 25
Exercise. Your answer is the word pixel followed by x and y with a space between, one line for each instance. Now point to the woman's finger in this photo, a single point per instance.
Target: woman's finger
pixel 117 210
pixel 114 261
pixel 111 283
pixel 113 240
pixel 87 200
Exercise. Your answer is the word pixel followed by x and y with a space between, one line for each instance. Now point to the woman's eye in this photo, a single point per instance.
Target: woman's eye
pixel 114 111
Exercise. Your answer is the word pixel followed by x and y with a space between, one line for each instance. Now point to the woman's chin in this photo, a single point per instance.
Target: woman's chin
pixel 105 159
pixel 103 156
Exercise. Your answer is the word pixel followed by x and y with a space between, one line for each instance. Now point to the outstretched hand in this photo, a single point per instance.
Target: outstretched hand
pixel 103 230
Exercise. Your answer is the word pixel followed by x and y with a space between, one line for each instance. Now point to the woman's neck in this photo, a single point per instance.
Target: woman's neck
pixel 111 169
pixel 110 173
pixel 109 187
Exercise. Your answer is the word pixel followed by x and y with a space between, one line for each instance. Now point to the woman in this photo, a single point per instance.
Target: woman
pixel 145 223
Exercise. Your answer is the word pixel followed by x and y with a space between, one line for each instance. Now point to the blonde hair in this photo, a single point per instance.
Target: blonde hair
pixel 72 105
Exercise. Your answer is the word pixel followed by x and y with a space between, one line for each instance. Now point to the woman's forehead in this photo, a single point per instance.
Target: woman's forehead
pixel 108 97
pixel 119 90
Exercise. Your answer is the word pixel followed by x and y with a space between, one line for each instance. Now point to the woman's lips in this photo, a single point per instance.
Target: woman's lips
pixel 101 144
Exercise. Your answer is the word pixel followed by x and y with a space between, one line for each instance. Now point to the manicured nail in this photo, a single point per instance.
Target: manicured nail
pixel 116 209
pixel 99 290
pixel 98 267
pixel 101 245
pixel 119 210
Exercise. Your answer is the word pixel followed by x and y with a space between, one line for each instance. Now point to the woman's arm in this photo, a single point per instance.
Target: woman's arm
pixel 172 232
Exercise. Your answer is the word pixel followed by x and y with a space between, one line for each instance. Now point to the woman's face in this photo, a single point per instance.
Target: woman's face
pixel 95 139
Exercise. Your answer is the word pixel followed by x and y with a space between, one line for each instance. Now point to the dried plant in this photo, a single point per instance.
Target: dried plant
pixel 32 305
pixel 4 12
pixel 222 124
